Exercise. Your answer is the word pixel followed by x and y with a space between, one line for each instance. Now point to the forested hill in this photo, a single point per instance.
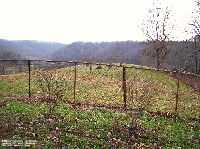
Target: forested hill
pixel 126 51
pixel 28 49
pixel 43 47
pixel 5 53
pixel 182 54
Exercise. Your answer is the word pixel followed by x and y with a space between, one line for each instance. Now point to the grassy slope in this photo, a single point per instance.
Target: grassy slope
pixel 105 86
pixel 96 127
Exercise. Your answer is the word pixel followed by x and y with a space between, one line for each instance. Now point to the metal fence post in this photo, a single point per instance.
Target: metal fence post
pixel 177 92
pixel 29 78
pixel 3 70
pixel 20 68
pixel 75 82
pixel 197 81
pixel 124 85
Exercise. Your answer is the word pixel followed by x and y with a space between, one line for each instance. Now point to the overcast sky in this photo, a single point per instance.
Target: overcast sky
pixel 68 21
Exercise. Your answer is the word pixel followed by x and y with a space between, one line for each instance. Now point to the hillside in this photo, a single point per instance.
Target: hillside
pixel 182 54
pixel 126 51
pixel 30 49
pixel 6 53
pixel 41 46
pixel 105 86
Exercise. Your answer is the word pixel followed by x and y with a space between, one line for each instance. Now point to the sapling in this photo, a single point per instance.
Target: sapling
pixel 140 95
pixel 52 87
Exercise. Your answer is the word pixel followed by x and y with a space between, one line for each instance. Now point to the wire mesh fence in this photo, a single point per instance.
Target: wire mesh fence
pixel 187 78
pixel 96 83
pixel 14 77
pixel 99 84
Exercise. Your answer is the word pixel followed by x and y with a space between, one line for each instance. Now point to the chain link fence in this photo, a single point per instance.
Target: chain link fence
pixel 95 83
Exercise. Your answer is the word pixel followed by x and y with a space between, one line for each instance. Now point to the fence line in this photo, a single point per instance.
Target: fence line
pixel 174 70
pixel 29 65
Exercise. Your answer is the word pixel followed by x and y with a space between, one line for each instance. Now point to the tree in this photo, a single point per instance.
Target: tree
pixel 195 23
pixel 155 28
pixel 181 56
pixel 196 31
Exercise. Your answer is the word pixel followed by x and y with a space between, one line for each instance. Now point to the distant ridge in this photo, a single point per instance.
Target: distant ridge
pixel 30 49
pixel 126 51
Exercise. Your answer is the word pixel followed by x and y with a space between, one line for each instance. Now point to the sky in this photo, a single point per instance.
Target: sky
pixel 68 21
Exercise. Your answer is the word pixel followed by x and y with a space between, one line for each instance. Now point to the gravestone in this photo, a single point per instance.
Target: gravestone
pixel 99 66
pixel 136 67
pixel 90 67
pixel 110 65
pixel 121 64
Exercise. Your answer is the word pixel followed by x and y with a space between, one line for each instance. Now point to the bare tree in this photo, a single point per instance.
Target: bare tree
pixel 195 24
pixel 156 29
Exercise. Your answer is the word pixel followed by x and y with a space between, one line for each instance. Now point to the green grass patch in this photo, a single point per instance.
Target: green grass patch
pixel 175 132
pixel 91 127
pixel 18 87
